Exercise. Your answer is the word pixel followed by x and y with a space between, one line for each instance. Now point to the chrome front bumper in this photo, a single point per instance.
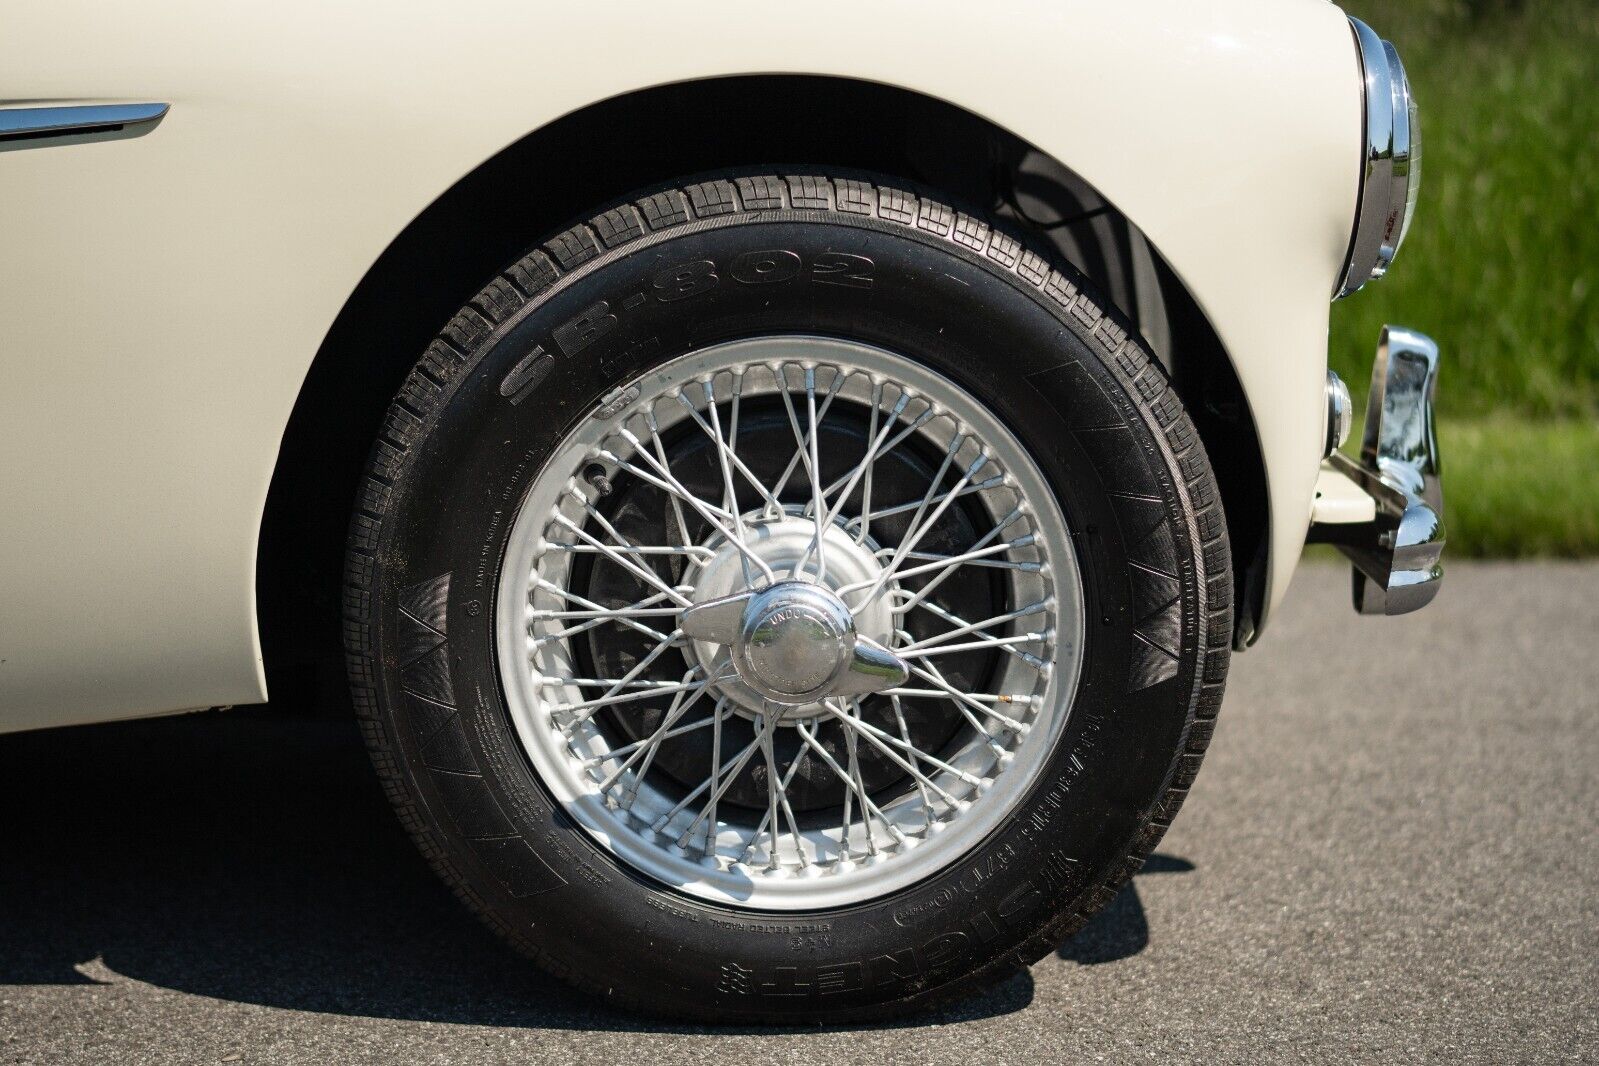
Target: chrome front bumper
pixel 1396 540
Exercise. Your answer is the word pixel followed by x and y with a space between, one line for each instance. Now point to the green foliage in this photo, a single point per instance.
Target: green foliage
pixel 1519 488
pixel 1502 263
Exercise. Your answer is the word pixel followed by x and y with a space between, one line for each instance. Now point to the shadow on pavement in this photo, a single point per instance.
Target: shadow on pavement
pixel 1121 929
pixel 250 856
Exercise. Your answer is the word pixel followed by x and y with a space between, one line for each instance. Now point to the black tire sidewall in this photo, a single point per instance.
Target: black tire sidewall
pixel 542 879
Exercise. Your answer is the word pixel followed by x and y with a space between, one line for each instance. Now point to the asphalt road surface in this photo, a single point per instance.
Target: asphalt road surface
pixel 1391 855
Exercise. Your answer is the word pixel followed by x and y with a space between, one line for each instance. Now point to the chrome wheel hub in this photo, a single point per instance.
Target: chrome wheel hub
pixel 789 642
pixel 794 639
pixel 789 623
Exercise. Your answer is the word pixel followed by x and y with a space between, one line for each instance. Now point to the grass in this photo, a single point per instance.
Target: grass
pixel 1502 263
pixel 1516 488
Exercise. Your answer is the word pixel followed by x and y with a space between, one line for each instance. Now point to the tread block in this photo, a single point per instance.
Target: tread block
pixel 936 218
pixel 664 209
pixel 855 197
pixel 1004 249
pixel 760 193
pixel 970 232
pixel 420 392
pixel 466 330
pixel 1033 267
pixel 619 225
pixel 498 301
pixel 574 247
pixel 440 360
pixel 809 191
pixel 896 205
pixel 534 273
pixel 1060 290
pixel 711 198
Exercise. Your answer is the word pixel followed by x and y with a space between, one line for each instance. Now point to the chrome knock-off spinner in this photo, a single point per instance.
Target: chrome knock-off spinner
pixel 795 644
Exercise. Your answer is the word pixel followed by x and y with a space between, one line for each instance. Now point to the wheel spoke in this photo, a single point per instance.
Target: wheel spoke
pixel 716 768
pixel 774 792
pixel 613 754
pixel 611 696
pixel 943 562
pixel 718 519
pixel 929 673
pixel 648 576
pixel 692 550
pixel 766 819
pixel 911 427
pixel 626 616
pixel 802 453
pixel 817 503
pixel 870 464
pixel 987 643
pixel 861 469
pixel 739 760
pixel 729 492
pixel 586 708
pixel 728 450
pixel 888 512
pixel 882 742
pixel 918 531
pixel 853 789
pixel 681 702
pixel 962 627
pixel 916 774
pixel 762 727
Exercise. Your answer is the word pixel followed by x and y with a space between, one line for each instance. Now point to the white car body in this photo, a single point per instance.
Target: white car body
pixel 162 298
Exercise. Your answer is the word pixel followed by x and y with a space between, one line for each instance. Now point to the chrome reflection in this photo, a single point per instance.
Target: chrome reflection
pixel 1398 564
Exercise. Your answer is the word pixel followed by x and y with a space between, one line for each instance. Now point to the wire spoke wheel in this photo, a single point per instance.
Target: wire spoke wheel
pixel 787 597
pixel 789 622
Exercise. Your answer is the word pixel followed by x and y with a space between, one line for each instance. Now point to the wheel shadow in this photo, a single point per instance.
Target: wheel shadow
pixel 250 856
pixel 1121 930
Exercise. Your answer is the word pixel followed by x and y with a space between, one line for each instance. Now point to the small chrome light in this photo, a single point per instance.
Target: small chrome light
pixel 1340 413
pixel 1390 173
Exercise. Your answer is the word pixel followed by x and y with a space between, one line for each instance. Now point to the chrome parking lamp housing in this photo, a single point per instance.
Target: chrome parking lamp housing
pixel 1390 174
pixel 1340 414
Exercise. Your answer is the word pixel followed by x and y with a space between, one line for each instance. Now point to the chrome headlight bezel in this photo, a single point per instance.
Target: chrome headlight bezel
pixel 1391 167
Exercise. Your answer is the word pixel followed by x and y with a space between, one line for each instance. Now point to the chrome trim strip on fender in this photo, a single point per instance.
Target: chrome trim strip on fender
pixel 48 127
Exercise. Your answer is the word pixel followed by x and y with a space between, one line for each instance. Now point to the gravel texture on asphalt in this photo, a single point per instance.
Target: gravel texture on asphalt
pixel 1389 856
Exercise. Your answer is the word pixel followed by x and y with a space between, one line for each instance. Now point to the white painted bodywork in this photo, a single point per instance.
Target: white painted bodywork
pixel 162 298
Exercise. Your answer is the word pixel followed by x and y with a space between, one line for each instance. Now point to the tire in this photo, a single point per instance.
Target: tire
pixel 1129 529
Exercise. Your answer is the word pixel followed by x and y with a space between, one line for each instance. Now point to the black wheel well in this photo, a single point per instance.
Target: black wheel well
pixel 576 165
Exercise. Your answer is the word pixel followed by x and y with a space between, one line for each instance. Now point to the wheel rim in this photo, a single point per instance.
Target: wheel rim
pixel 767 703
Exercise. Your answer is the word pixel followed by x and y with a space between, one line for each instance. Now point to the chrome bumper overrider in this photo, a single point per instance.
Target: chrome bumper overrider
pixel 1396 547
